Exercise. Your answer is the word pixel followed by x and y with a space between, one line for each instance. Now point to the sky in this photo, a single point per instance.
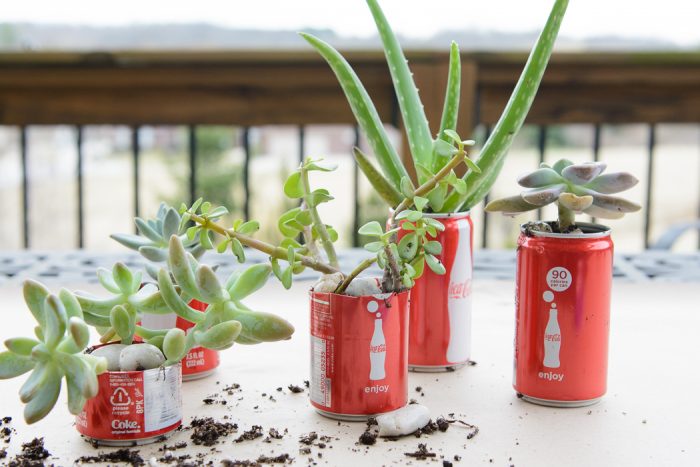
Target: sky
pixel 670 20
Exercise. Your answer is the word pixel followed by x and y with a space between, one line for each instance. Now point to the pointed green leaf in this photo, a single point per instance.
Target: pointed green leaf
pixel 363 109
pixel 496 147
pixel 419 139
pixel 450 110
pixel 381 185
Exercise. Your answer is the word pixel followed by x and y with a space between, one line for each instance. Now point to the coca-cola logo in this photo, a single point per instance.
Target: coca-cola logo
pixel 124 425
pixel 377 348
pixel 552 337
pixel 460 289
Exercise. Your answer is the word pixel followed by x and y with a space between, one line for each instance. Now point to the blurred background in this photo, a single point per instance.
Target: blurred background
pixel 105 110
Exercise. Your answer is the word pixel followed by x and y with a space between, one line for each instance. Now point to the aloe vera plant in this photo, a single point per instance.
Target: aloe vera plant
pixel 575 188
pixel 430 154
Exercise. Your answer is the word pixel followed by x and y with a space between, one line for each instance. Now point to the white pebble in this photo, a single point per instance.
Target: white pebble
pixel 111 352
pixel 403 421
pixel 364 286
pixel 137 357
pixel 327 283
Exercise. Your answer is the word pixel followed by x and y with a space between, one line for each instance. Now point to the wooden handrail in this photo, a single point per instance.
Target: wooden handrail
pixel 296 87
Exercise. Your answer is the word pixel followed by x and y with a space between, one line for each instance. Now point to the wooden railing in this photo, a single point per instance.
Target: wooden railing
pixel 262 88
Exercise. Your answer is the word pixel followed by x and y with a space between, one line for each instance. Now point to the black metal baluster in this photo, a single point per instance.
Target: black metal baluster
pixel 541 147
pixel 356 193
pixel 485 217
pixel 193 162
pixel 302 143
pixel 246 173
pixel 650 171
pixel 79 177
pixel 596 150
pixel 136 153
pixel 25 185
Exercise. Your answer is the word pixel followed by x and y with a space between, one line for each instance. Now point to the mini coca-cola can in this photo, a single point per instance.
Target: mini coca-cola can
pixel 562 317
pixel 359 354
pixel 441 305
pixel 199 362
pixel 133 407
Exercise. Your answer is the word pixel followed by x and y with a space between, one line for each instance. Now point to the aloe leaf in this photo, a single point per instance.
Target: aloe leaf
pixel 496 147
pixel 363 109
pixel 450 110
pixel 417 130
pixel 380 184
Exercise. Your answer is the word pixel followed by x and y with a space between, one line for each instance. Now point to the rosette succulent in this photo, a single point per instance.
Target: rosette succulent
pixel 430 155
pixel 575 188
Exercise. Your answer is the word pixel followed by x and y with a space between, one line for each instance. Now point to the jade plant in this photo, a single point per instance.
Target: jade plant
pixel 575 188
pixel 429 155
pixel 308 242
pixel 60 346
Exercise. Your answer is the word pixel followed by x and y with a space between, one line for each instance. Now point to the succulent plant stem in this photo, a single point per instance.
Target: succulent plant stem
pixel 391 282
pixel 272 250
pixel 429 184
pixel 326 241
pixel 567 218
pixel 355 272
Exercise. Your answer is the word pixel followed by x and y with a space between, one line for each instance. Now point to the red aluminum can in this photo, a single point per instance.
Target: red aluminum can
pixel 359 354
pixel 133 407
pixel 562 317
pixel 199 362
pixel 441 305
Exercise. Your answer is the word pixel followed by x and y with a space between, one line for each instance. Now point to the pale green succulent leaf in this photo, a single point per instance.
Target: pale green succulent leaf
pixel 209 285
pixel 434 264
pixel 540 178
pixel 561 164
pixel 34 296
pixel 250 281
pixel 12 365
pixel 580 174
pixel 612 183
pixel 371 229
pixel 45 399
pixel 70 304
pixel 174 344
pixel 510 205
pixel 543 196
pixel 173 300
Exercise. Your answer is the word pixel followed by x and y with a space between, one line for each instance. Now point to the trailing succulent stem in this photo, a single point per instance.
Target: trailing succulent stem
pixel 428 155
pixel 575 188
pixel 402 261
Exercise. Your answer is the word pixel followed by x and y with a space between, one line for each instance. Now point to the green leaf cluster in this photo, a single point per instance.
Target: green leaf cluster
pixel 430 154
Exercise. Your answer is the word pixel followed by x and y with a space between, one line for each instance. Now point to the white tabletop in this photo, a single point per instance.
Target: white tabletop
pixel 650 416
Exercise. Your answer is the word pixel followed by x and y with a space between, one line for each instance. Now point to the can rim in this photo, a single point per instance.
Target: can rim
pixel 590 230
pixel 448 215
pixel 388 294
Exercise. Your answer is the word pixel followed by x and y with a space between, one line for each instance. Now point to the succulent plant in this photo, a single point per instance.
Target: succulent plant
pixel 575 188
pixel 430 154
pixel 152 243
pixel 62 334
pixel 56 352
pixel 403 262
